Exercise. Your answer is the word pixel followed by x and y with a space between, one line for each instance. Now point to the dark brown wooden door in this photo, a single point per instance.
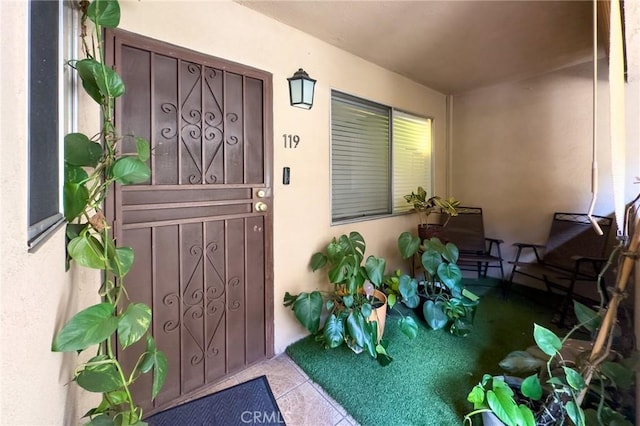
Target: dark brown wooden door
pixel 202 241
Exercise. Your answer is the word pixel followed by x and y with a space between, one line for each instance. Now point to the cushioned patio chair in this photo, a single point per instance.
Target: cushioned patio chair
pixel 574 253
pixel 477 252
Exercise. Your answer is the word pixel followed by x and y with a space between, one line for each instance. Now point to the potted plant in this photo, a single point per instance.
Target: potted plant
pixel 425 206
pixel 438 295
pixel 584 383
pixel 352 318
pixel 556 389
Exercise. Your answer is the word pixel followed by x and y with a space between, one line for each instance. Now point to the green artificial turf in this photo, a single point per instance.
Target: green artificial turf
pixel 429 379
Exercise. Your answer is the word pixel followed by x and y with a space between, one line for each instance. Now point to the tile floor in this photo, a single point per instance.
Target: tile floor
pixel 301 401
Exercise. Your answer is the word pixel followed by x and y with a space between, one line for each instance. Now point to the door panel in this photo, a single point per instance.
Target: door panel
pixel 203 253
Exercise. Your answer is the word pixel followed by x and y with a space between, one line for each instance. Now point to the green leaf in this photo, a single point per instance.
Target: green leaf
pixel 408 327
pixel 574 379
pixel 366 310
pixel 546 340
pixel 382 356
pixel 621 376
pixel 408 288
pixel 318 260
pixel 124 258
pixel 109 82
pixel 370 336
pixel 100 377
pixel 105 13
pixel 74 174
pixel 531 387
pixel 101 420
pixel 142 147
pixel 159 373
pixel 348 301
pixel 87 70
pixel 375 267
pixel 87 251
pixel 476 397
pixel 74 229
pixel 153 358
pixel 430 261
pixel 527 416
pixel 307 308
pixel 450 275
pixel 128 170
pixel 434 314
pixel 575 413
pixel 120 259
pixel 504 407
pixel 461 327
pixel 354 244
pixel 333 331
pixel 74 200
pixel 355 328
pixel 117 397
pixel 586 316
pixel 133 324
pixel 81 151
pixel 391 300
pixel 408 244
pixel 450 253
pixel 88 327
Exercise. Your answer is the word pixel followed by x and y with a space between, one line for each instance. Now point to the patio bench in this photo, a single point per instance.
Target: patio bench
pixel 477 252
pixel 573 253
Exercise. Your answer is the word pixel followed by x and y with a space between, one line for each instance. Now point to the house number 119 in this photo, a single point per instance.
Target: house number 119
pixel 291 141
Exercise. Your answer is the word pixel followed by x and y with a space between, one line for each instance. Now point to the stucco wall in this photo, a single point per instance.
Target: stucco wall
pixel 522 150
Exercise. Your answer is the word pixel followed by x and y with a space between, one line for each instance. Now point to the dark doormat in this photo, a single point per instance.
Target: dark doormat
pixel 249 403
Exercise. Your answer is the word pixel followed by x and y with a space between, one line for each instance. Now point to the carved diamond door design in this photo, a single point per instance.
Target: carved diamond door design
pixel 203 249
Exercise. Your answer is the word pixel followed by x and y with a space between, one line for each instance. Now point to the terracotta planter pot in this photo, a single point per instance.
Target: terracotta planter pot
pixel 379 314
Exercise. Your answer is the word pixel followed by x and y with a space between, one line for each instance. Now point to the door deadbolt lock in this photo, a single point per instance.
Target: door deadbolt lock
pixel 261 207
pixel 261 193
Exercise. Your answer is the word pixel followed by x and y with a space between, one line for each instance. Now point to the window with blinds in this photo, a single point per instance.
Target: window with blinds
pixel 365 137
pixel 411 157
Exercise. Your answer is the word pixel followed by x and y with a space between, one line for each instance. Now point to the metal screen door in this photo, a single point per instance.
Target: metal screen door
pixel 201 228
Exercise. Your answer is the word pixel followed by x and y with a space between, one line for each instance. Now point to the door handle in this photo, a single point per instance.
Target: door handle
pixel 261 207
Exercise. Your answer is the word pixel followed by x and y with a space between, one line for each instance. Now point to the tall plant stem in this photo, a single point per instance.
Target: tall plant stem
pixel 598 352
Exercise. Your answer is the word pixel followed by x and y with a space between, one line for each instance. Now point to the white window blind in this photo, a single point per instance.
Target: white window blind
pixel 360 160
pixel 411 157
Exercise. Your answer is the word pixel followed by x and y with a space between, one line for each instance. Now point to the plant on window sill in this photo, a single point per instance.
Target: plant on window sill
pixel 92 166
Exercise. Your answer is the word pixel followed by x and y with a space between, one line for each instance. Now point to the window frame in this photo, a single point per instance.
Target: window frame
pixel 38 231
pixel 391 211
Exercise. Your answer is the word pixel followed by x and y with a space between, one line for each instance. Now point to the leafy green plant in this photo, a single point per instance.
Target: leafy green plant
pixel 494 395
pixel 446 304
pixel 553 392
pixel 425 206
pixel 350 303
pixel 92 166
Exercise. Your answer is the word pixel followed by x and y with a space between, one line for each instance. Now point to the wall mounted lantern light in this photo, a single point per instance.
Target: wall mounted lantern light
pixel 301 88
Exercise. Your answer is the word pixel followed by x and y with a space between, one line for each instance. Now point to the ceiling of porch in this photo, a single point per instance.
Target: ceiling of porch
pixel 450 46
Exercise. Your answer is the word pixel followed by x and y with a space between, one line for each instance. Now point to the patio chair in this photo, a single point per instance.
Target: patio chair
pixel 574 253
pixel 477 252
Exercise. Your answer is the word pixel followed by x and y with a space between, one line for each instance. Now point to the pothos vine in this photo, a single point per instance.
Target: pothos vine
pixel 93 164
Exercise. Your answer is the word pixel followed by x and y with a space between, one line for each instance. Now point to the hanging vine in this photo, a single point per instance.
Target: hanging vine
pixel 93 165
